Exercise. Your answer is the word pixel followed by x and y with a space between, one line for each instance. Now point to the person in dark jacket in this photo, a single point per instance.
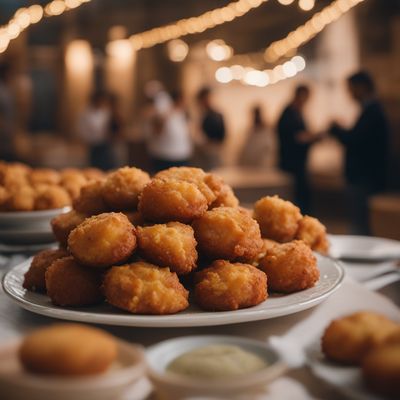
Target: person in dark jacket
pixel 366 145
pixel 294 145
pixel 213 127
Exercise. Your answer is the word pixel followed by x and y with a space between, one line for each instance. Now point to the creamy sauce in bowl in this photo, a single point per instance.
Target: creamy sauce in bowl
pixel 216 361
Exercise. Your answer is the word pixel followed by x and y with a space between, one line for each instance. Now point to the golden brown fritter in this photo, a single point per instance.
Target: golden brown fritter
pixel 72 285
pixel 4 196
pixel 381 370
pixel 122 188
pixel 13 176
pixel 135 217
pixel 290 267
pixel 228 233
pixel 313 233
pixel 44 175
pixel 143 288
pixel 63 224
pixel 169 245
pixel 34 278
pixel 73 181
pixel 171 200
pixel 21 199
pixel 226 286
pixel 225 198
pixel 68 350
pixel 208 184
pixel 278 219
pixel 347 340
pixel 103 240
pixel 93 174
pixel 90 200
pixel 51 197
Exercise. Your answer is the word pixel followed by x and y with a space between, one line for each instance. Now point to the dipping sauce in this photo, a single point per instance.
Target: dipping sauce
pixel 216 361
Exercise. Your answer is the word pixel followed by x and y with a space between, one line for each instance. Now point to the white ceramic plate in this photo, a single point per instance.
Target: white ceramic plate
pixel 347 379
pixel 363 248
pixel 26 237
pixel 24 219
pixel 277 305
pixel 25 248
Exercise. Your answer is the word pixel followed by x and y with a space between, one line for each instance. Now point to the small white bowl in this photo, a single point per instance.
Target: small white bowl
pixel 17 384
pixel 170 385
pixel 30 219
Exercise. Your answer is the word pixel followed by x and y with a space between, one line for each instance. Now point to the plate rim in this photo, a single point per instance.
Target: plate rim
pixel 174 320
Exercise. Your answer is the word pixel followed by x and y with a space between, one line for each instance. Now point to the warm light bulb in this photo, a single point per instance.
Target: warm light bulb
pixel 177 50
pixel 285 2
pixel 306 5
pixel 223 75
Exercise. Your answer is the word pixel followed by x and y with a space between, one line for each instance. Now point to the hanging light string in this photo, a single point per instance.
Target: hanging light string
pixel 304 33
pixel 189 26
pixel 26 16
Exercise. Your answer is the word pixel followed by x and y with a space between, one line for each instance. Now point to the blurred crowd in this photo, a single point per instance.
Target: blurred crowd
pixel 170 136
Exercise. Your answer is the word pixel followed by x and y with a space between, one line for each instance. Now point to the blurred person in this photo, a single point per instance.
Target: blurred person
pixel 366 149
pixel 169 138
pixel 94 128
pixel 258 148
pixel 213 127
pixel 7 115
pixel 294 144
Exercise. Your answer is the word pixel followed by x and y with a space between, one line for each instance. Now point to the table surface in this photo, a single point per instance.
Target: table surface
pixel 15 321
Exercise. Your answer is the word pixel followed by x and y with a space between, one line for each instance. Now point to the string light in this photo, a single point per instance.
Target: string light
pixel 285 2
pixel 261 78
pixel 306 5
pixel 188 26
pixel 26 16
pixel 218 50
pixel 304 33
pixel 177 50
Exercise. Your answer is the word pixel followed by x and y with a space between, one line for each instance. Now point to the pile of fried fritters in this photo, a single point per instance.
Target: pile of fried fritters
pixel 23 188
pixel 142 244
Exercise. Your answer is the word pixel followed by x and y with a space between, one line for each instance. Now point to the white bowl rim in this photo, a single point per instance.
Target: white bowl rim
pixel 270 372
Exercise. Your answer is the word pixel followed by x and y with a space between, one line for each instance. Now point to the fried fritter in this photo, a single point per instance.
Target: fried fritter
pixel 90 200
pixel 228 233
pixel 44 175
pixel 278 219
pixel 51 197
pixel 122 188
pixel 313 233
pixel 4 196
pixel 70 284
pixel 103 240
pixel 208 184
pixel 381 370
pixel 21 199
pixel 290 267
pixel 347 340
pixel 73 181
pixel 135 217
pixel 93 174
pixel 225 198
pixel 169 245
pixel 13 176
pixel 226 286
pixel 68 350
pixel 34 279
pixel 143 288
pixel 171 200
pixel 63 224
